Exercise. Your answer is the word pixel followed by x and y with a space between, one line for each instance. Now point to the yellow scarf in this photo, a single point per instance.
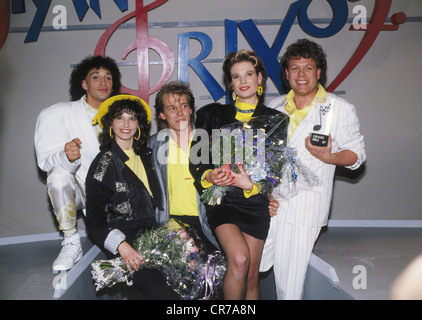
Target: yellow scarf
pixel 244 111
pixel 296 116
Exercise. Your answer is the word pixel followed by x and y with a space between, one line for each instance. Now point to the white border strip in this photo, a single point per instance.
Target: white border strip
pixel 375 223
pixel 324 268
pixel 36 237
pixel 331 223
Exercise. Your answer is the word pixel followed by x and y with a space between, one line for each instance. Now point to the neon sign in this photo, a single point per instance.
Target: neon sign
pixel 268 53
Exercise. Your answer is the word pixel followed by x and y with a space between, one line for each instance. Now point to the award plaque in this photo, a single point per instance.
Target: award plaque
pixel 322 121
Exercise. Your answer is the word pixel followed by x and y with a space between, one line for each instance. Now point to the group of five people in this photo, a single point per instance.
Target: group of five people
pixel 129 188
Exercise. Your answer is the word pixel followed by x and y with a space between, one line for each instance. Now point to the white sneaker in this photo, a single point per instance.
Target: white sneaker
pixel 70 254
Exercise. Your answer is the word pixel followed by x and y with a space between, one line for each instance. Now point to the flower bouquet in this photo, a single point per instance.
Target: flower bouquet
pixel 172 250
pixel 260 145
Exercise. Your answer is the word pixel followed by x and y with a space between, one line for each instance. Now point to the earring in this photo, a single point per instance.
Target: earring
pixel 139 135
pixel 111 133
pixel 260 90
pixel 234 96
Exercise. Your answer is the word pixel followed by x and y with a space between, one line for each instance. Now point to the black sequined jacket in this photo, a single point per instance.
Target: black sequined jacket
pixel 117 198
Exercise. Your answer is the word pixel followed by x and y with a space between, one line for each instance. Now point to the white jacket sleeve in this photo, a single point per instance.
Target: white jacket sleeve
pixel 50 137
pixel 348 135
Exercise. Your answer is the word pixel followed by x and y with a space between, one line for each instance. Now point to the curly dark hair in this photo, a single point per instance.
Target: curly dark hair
pixel 243 55
pixel 81 71
pixel 306 49
pixel 116 109
pixel 178 88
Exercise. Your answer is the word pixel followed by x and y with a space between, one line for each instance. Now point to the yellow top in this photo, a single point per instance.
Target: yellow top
pixel 182 192
pixel 136 165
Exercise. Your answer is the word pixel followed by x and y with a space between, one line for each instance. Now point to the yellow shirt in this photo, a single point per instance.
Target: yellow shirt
pixel 136 165
pixel 296 116
pixel 182 192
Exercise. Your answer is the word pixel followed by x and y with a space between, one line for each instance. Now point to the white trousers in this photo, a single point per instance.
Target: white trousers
pixel 67 196
pixel 288 249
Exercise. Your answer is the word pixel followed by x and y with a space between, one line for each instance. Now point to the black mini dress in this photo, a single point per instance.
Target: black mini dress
pixel 251 215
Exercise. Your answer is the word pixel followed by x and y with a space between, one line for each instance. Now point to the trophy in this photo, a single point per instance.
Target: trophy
pixel 322 121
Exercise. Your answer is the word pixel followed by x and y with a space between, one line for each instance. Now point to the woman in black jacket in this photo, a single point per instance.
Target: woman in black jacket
pixel 241 222
pixel 123 190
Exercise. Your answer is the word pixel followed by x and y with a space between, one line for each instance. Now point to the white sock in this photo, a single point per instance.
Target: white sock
pixel 69 232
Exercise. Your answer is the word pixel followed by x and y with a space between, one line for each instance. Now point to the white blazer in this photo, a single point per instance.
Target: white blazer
pixel 59 124
pixel 311 206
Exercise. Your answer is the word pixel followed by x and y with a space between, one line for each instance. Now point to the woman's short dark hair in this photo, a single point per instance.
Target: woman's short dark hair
pixel 80 72
pixel 178 88
pixel 243 55
pixel 116 109
pixel 306 49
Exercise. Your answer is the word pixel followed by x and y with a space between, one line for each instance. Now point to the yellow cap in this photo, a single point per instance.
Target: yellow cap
pixel 107 103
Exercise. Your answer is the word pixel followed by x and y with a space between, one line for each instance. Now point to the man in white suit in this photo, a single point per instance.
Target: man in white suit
pixel 66 142
pixel 297 224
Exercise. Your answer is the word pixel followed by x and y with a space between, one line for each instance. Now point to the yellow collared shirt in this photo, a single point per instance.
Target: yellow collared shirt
pixel 182 192
pixel 296 116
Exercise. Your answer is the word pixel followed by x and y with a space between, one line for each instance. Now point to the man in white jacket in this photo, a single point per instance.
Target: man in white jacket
pixel 296 226
pixel 66 142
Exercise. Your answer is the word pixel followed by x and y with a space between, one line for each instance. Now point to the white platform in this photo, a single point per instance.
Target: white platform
pixel 381 248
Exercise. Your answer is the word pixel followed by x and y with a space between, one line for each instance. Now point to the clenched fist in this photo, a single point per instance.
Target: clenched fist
pixel 72 149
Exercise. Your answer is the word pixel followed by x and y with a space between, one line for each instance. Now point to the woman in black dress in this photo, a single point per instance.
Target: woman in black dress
pixel 242 220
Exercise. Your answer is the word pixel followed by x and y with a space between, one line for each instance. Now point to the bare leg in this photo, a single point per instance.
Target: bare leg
pixel 236 250
pixel 255 251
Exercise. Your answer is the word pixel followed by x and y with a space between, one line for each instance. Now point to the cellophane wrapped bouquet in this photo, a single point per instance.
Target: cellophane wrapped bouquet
pixel 172 249
pixel 260 145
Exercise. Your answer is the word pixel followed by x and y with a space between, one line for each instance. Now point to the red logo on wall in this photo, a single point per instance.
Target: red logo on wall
pixel 142 44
